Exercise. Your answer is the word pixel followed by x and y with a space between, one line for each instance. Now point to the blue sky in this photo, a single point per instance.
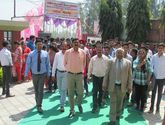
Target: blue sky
pixel 22 6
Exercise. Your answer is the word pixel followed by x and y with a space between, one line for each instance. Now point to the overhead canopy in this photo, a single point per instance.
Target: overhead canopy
pixel 13 25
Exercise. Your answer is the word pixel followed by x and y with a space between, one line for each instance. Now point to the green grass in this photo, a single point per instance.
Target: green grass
pixel 52 115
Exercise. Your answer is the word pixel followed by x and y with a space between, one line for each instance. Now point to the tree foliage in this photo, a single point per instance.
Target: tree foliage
pixel 110 19
pixel 89 12
pixel 163 16
pixel 138 20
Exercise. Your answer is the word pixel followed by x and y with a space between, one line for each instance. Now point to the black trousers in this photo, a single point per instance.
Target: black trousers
pixel 158 84
pixel 133 94
pixel 97 91
pixel 85 84
pixel 6 79
pixel 141 95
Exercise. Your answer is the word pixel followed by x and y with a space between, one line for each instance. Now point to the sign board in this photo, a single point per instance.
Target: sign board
pixel 93 39
pixel 58 9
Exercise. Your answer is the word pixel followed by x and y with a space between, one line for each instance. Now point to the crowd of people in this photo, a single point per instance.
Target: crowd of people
pixel 118 70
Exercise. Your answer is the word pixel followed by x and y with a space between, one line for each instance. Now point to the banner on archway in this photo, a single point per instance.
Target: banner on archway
pixel 58 9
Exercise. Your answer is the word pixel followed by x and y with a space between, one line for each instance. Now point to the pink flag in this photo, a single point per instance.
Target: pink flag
pixel 40 10
pixel 78 31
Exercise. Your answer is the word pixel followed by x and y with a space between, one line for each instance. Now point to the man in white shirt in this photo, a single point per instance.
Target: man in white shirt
pixel 158 65
pixel 58 67
pixel 6 63
pixel 97 68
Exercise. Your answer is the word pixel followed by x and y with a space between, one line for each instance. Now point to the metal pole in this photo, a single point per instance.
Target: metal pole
pixel 14 8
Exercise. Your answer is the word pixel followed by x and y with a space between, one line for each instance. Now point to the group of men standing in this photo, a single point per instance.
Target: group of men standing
pixel 119 75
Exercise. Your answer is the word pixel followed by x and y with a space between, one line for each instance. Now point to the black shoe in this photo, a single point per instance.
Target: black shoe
pixel 9 96
pixel 112 123
pixel 157 110
pixel 117 117
pixel 49 91
pixel 150 111
pixel 86 94
pixel 137 108
pixel 101 105
pixel 62 109
pixel 3 93
pixel 94 110
pixel 80 109
pixel 71 114
pixel 142 110
pixel 39 109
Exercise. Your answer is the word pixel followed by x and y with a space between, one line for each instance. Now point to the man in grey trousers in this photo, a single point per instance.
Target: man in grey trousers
pixel 38 62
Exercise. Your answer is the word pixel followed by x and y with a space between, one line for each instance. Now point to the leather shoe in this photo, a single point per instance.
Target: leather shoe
pixel 9 96
pixel 80 109
pixel 157 110
pixel 94 110
pixel 71 114
pixel 39 109
pixel 62 109
pixel 112 123
pixel 117 117
pixel 150 111
pixel 3 93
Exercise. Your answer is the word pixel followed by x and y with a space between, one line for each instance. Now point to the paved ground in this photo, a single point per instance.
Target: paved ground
pixel 13 109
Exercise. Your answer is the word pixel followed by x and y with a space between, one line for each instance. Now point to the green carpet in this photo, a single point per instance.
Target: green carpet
pixel 52 115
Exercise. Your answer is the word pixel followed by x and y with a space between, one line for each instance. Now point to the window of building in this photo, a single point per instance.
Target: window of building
pixel 8 35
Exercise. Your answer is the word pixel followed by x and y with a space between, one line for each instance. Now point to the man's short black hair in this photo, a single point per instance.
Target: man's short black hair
pixel 5 43
pixel 32 37
pixel 17 43
pixel 161 44
pixel 38 40
pixel 134 50
pixel 74 39
pixel 145 48
pixel 125 44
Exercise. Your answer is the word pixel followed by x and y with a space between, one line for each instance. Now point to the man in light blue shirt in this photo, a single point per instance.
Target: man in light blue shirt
pixel 31 43
pixel 38 63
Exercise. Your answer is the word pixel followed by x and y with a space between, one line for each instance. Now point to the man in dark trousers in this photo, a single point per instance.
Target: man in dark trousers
pixel 38 62
pixel 6 63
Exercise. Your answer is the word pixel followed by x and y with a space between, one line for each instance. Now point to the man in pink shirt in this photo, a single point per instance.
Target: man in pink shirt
pixel 74 62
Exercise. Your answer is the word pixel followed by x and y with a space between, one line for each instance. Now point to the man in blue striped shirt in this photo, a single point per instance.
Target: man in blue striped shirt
pixel 38 63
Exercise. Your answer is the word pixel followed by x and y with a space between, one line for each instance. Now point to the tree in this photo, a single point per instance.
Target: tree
pixel 89 12
pixel 110 19
pixel 138 20
pixel 162 18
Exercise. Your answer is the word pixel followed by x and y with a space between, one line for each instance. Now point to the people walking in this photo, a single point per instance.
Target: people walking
pixel 6 63
pixel 38 63
pixel 158 65
pixel 60 71
pixel 74 62
pixel 97 68
pixel 118 81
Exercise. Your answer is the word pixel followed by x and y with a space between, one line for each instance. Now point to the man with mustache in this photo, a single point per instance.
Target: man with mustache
pixel 74 62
